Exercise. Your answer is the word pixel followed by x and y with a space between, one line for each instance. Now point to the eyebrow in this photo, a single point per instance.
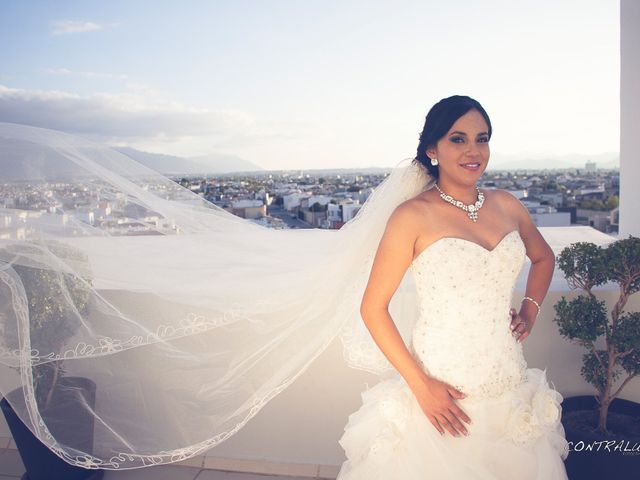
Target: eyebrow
pixel 462 133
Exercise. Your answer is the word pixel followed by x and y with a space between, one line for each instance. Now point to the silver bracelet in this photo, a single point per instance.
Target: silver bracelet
pixel 535 303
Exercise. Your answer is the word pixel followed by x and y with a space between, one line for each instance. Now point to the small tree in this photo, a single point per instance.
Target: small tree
pixel 584 319
pixel 57 300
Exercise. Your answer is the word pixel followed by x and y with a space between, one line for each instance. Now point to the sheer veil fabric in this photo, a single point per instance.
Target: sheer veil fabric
pixel 187 333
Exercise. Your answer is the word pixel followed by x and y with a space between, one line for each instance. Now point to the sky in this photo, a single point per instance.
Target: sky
pixel 312 84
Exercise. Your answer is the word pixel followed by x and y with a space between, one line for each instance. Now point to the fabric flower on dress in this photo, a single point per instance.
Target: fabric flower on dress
pixel 383 444
pixel 394 411
pixel 523 425
pixel 546 405
pixel 529 421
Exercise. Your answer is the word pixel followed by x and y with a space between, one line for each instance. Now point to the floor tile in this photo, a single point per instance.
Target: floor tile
pixel 158 472
pixel 197 461
pixel 11 463
pixel 11 468
pixel 219 475
pixel 328 471
pixel 261 467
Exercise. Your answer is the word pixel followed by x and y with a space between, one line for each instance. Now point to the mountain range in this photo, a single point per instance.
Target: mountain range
pixel 206 164
pixel 23 160
pixel 219 163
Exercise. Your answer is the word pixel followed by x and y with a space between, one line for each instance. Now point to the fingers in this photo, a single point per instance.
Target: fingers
pixel 436 424
pixel 442 411
pixel 450 421
pixel 444 421
pixel 520 331
pixel 515 323
pixel 455 422
pixel 452 424
pixel 519 327
pixel 458 412
pixel 454 392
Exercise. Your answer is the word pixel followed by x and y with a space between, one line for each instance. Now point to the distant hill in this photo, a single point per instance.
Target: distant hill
pixel 174 165
pixel 222 163
pixel 24 161
pixel 517 162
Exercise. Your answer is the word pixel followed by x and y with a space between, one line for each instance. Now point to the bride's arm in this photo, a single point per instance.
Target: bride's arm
pixel 392 259
pixel 542 261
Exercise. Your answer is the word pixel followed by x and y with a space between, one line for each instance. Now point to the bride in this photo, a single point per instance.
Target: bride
pixel 463 373
pixel 190 320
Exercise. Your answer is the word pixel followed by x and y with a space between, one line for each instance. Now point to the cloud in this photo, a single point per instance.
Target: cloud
pixel 61 27
pixel 85 74
pixel 138 113
pixel 138 117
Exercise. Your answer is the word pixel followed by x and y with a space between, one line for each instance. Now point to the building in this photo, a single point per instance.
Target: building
pixel 248 208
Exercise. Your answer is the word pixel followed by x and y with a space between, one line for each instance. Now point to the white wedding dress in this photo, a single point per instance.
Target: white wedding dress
pixel 462 337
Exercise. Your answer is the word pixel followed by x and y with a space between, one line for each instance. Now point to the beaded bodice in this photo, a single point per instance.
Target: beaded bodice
pixel 462 335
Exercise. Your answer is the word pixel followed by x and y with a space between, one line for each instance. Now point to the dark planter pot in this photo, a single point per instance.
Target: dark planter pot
pixel 77 431
pixel 621 460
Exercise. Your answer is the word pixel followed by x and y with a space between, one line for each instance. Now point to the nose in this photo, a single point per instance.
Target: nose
pixel 473 150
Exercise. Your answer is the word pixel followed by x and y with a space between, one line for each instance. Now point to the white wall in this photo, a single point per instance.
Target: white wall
pixel 554 219
pixel 629 117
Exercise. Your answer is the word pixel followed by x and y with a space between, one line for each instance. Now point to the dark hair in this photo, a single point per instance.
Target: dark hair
pixel 439 121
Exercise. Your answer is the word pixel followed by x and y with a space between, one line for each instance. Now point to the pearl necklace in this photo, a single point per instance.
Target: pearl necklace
pixel 471 209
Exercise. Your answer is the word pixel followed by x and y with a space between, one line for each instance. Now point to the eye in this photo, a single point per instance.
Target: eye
pixel 481 139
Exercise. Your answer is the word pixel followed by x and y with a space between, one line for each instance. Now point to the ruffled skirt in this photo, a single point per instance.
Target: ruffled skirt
pixel 516 435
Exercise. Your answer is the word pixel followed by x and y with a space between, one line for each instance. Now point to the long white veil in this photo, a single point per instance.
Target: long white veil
pixel 186 329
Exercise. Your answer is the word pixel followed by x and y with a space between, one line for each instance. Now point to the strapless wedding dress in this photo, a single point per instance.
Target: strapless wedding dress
pixel 462 336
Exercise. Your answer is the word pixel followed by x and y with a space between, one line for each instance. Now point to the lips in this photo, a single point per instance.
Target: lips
pixel 473 166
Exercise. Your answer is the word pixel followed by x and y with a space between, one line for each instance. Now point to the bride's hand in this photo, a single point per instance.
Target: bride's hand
pixel 436 398
pixel 520 326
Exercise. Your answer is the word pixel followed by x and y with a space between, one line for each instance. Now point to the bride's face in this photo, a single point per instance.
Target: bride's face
pixel 467 141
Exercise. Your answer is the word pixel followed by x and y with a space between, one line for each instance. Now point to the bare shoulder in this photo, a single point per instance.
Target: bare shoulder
pixel 498 194
pixel 404 225
pixel 392 258
pixel 508 203
pixel 405 215
pixel 421 205
pixel 410 209
pixel 536 245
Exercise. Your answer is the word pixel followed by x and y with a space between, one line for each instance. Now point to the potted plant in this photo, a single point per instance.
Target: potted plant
pixel 56 300
pixel 603 431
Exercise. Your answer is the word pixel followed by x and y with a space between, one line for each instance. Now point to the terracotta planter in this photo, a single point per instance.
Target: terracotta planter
pixel 40 462
pixel 594 455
